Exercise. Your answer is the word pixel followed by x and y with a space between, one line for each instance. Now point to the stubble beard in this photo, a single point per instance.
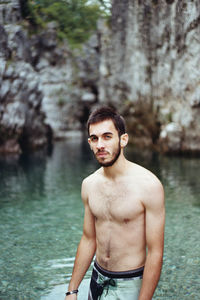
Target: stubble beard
pixel 115 158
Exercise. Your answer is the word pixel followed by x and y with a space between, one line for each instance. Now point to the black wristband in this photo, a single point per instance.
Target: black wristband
pixel 72 292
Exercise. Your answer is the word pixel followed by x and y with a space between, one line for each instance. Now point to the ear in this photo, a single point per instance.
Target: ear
pixel 124 140
pixel 89 142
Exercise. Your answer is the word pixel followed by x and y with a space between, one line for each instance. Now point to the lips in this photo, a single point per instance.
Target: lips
pixel 101 154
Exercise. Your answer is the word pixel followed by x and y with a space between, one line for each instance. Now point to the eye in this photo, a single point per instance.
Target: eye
pixel 93 138
pixel 107 137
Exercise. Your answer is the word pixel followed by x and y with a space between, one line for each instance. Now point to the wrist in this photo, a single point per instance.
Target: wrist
pixel 71 292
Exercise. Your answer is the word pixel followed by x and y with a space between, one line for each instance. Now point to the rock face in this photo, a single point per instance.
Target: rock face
pixel 145 63
pixel 69 86
pixel 9 12
pixel 150 69
pixel 21 120
pixel 45 90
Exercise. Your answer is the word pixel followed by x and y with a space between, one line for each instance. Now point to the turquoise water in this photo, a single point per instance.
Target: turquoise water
pixel 41 217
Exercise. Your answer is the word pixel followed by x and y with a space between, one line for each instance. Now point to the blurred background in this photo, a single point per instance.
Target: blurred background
pixel 58 61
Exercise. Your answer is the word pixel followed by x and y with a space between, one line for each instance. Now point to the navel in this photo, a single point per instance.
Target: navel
pixel 126 221
pixel 108 256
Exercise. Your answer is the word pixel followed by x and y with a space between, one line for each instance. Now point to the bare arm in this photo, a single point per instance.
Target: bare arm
pixel 86 248
pixel 155 219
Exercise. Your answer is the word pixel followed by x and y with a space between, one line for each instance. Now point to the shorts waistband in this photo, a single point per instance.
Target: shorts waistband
pixel 125 274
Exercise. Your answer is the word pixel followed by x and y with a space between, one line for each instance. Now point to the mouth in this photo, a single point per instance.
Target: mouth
pixel 101 154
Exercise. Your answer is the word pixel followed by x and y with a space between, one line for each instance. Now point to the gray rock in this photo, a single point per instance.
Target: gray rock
pixel 195 98
pixel 40 86
pixel 151 55
pixel 21 120
pixel 4 52
pixel 146 64
pixel 10 11
pixel 5 87
pixel 171 137
pixel 88 97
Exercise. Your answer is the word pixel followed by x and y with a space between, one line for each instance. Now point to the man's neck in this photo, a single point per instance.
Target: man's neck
pixel 117 169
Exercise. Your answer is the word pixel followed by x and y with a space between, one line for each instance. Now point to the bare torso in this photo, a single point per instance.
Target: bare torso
pixel 119 213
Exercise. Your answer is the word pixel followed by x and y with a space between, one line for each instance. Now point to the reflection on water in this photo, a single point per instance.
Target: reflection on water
pixel 41 217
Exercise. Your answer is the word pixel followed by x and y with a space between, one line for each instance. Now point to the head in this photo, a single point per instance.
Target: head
pixel 107 113
pixel 107 136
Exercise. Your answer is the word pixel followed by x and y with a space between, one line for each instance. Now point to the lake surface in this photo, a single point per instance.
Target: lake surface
pixel 41 216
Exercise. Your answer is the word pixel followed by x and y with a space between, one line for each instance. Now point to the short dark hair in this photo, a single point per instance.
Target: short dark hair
pixel 107 113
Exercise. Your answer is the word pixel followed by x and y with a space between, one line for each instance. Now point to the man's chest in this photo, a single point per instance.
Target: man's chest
pixel 116 202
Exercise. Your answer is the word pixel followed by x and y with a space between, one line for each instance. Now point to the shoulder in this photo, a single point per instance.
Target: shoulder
pixel 154 186
pixel 91 179
pixel 154 192
pixel 149 179
pixel 89 182
pixel 151 185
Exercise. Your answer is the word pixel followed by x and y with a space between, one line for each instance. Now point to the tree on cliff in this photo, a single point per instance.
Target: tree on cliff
pixel 76 19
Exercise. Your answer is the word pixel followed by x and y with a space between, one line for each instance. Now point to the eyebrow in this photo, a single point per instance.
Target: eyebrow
pixel 105 133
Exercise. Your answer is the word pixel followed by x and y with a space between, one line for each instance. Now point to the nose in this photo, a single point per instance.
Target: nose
pixel 100 144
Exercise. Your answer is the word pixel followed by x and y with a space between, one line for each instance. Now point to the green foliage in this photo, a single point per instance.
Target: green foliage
pixel 31 12
pixel 76 19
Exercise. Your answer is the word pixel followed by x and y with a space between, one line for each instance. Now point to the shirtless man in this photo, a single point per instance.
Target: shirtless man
pixel 124 216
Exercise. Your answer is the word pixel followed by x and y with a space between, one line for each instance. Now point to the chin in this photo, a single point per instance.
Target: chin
pixel 107 164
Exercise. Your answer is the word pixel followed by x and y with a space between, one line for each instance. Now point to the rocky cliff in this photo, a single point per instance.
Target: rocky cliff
pixel 150 68
pixel 21 120
pixel 145 62
pixel 45 90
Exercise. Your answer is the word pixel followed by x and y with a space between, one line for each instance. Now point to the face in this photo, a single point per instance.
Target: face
pixel 105 142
